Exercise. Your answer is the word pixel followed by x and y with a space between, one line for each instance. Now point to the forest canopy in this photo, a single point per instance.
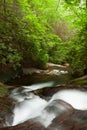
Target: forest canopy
pixel 35 32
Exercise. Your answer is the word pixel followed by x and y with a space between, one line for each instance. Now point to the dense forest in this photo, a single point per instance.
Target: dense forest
pixel 43 64
pixel 35 32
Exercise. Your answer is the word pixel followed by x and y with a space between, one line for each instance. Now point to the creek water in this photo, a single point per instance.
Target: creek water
pixel 32 106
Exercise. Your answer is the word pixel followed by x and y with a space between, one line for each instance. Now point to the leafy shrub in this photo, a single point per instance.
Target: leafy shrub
pixel 77 54
pixel 9 56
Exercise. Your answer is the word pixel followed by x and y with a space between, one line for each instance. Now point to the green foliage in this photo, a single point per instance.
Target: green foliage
pixel 43 59
pixel 28 28
pixel 73 2
pixel 9 56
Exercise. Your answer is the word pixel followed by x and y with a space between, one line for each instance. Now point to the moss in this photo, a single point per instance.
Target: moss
pixel 80 81
pixel 3 90
pixel 1 84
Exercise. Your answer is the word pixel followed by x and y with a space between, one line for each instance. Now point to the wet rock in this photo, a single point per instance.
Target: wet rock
pixel 6 106
pixel 3 90
pixel 57 72
pixel 28 125
pixel 66 119
pixel 58 106
pixel 27 71
pixel 71 119
pixel 2 122
pixel 49 71
pixel 35 124
pixel 54 109
pixel 66 105
pixel 76 120
pixel 49 91
pixel 50 66
pixel 31 79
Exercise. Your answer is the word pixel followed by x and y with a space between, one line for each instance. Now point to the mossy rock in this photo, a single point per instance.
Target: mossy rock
pixel 80 81
pixel 3 90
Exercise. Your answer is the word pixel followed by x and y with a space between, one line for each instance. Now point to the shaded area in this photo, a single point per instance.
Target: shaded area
pixel 39 78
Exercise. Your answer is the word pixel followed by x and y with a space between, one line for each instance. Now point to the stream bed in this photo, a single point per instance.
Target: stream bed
pixel 46 103
pixel 30 106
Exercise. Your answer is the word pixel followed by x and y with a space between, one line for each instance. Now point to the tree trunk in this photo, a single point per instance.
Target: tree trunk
pixel 4 8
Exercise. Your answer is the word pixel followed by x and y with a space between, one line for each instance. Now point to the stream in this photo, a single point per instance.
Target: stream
pixel 30 105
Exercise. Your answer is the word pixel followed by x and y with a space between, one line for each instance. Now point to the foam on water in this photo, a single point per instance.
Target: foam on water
pixel 23 92
pixel 64 72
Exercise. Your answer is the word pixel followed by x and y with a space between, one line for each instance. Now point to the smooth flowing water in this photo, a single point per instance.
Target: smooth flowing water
pixel 77 98
pixel 30 106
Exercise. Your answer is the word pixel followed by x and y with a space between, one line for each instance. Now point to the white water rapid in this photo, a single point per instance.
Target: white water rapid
pixel 28 109
pixel 77 98
pixel 23 92
pixel 30 106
